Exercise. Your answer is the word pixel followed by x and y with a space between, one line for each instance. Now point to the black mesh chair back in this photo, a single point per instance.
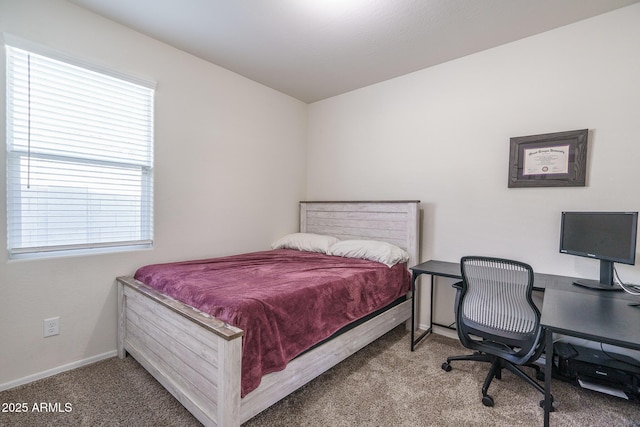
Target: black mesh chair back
pixel 496 317
pixel 495 305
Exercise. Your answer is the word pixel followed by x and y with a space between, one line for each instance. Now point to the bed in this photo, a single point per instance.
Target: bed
pixel 197 357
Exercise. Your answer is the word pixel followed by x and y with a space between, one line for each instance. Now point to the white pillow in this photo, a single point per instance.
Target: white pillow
pixel 373 250
pixel 305 242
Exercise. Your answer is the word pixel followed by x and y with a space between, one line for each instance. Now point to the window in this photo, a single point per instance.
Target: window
pixel 79 157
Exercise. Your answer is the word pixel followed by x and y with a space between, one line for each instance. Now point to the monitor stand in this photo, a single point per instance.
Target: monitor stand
pixel 606 279
pixel 594 284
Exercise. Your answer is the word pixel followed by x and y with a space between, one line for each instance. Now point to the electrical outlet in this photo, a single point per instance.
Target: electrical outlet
pixel 51 326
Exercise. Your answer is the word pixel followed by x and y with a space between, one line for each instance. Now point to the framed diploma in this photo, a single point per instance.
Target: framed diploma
pixel 549 160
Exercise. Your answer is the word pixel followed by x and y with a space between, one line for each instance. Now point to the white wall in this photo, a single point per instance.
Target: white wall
pixel 229 172
pixel 442 134
pixel 230 161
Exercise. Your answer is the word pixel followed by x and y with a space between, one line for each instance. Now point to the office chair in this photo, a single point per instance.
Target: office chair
pixel 497 318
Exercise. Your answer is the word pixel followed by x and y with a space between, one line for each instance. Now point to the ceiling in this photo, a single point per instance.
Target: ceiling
pixel 315 49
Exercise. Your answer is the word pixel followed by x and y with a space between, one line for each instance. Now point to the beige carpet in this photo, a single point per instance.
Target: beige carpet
pixel 385 384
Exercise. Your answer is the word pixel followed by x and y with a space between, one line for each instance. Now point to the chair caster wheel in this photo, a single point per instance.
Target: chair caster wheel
pixel 446 367
pixel 487 400
pixel 540 376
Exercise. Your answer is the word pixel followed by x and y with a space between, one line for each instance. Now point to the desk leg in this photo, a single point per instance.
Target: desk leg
pixel 433 279
pixel 413 308
pixel 548 400
pixel 414 340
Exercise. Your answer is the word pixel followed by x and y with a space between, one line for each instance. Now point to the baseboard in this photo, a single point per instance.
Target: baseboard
pixel 57 370
pixel 450 333
pixel 447 332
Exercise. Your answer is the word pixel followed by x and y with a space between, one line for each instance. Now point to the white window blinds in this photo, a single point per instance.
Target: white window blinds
pixel 79 157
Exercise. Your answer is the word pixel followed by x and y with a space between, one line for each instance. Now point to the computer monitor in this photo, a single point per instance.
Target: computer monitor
pixel 606 236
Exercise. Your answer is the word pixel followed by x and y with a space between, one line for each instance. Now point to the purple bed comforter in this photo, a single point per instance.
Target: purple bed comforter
pixel 284 300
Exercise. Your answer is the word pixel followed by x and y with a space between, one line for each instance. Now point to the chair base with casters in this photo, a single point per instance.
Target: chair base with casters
pixel 497 365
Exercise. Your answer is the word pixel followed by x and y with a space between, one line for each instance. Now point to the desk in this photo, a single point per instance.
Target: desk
pixel 452 270
pixel 433 268
pixel 567 309
pixel 605 317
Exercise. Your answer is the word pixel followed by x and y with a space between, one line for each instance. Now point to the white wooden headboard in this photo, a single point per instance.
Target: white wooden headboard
pixel 396 222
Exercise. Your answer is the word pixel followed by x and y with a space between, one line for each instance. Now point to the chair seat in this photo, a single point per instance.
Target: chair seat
pixel 503 343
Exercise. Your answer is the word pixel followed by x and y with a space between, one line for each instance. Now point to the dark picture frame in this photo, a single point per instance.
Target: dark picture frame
pixel 549 160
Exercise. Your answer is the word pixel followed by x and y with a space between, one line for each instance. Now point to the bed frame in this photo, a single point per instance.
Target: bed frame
pixel 197 357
